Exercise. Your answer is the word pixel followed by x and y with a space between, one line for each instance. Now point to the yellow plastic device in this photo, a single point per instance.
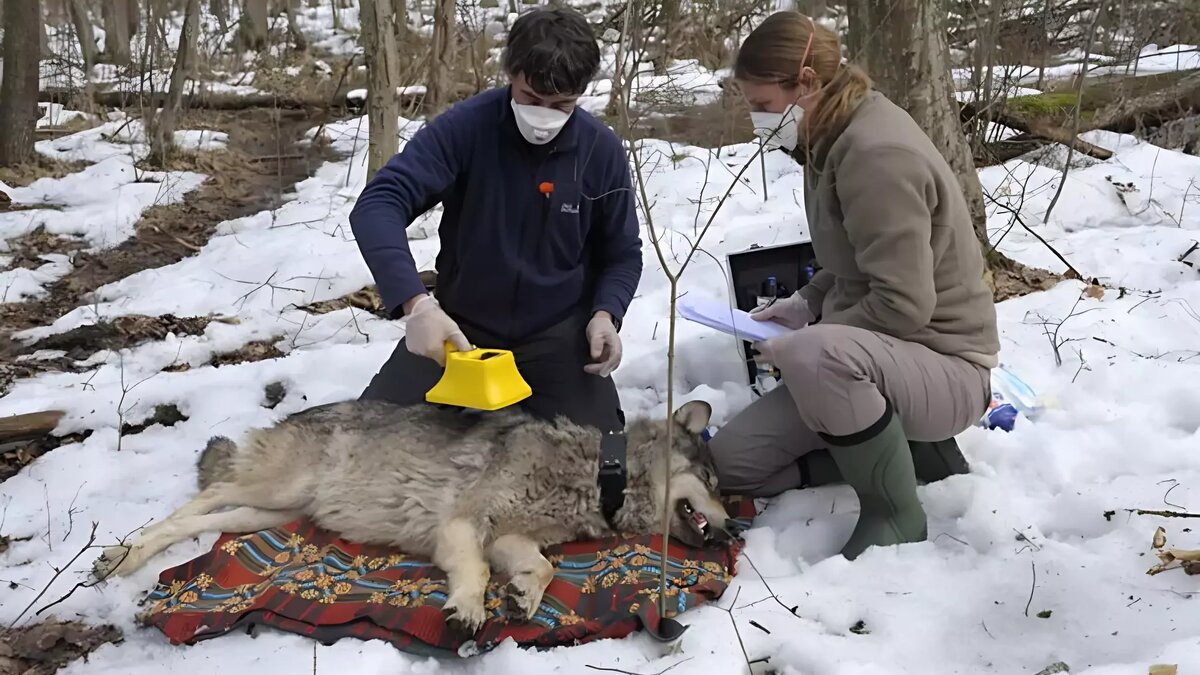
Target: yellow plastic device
pixel 482 379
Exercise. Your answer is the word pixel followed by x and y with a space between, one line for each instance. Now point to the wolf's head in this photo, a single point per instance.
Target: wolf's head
pixel 697 515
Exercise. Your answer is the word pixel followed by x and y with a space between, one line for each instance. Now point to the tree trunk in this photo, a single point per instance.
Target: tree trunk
pixel 116 31
pixel 253 26
pixel 220 10
pixel 133 17
pixel 83 30
pixel 162 140
pixel 905 50
pixel 337 15
pixel 669 17
pixel 19 86
pixel 294 32
pixel 379 47
pixel 440 70
pixel 400 14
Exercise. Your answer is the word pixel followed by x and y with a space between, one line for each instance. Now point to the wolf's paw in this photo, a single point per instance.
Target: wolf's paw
pixel 523 596
pixel 464 614
pixel 113 561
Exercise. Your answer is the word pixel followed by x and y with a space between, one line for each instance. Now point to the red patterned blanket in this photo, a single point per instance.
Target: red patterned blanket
pixel 304 580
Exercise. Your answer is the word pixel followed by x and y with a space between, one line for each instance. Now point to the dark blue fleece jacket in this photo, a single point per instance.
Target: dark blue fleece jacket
pixel 514 259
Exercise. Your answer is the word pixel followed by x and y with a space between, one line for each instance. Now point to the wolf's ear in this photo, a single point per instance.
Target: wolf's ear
pixel 694 416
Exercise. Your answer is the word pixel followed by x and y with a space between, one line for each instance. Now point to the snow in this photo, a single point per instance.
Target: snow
pixel 1024 534
pixel 99 204
pixel 201 140
pixel 56 115
pixel 957 601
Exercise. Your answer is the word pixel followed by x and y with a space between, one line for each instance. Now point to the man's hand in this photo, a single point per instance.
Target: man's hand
pixel 791 312
pixel 604 343
pixel 430 328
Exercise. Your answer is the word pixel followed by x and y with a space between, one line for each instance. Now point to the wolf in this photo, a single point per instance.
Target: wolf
pixel 472 492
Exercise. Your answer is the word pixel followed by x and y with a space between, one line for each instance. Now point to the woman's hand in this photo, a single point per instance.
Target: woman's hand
pixel 791 312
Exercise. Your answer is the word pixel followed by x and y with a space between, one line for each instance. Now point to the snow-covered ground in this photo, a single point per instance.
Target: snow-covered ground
pixel 1121 430
pixel 1023 567
pixel 98 205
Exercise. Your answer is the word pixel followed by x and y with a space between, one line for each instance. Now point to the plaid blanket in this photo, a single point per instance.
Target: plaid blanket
pixel 301 579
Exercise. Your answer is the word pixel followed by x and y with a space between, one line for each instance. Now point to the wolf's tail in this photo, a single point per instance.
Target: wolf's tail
pixel 215 463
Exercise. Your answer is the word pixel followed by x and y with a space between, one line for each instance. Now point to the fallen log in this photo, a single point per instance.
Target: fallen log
pixel 210 101
pixel 230 102
pixel 1117 104
pixel 29 425
pixel 1151 109
pixel 1037 129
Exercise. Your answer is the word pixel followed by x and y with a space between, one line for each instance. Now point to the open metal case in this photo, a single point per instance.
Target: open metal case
pixel 791 265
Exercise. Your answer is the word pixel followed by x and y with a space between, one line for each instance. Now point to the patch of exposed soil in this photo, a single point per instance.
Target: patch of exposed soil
pixel 260 165
pixel 27 251
pixel 366 299
pixel 43 648
pixel 81 343
pixel 122 332
pixel 17 455
pixel 22 175
pixel 1012 279
pixel 250 352
pixel 260 350
pixel 165 414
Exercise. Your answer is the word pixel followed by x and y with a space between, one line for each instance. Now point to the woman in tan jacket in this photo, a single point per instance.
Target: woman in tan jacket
pixel 894 338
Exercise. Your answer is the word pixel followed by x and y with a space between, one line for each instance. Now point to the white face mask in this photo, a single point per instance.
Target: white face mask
pixel 779 130
pixel 539 125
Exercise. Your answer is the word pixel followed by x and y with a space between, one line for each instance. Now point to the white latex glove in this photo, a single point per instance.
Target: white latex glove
pixel 605 346
pixel 791 312
pixel 429 329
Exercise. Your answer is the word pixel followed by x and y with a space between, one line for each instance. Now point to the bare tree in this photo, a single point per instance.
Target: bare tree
pixel 294 31
pixel 379 47
pixel 400 12
pixel 83 29
pixel 162 138
pixel 116 30
pixel 252 27
pixel 220 10
pixel 902 43
pixel 440 72
pixel 19 87
pixel 133 17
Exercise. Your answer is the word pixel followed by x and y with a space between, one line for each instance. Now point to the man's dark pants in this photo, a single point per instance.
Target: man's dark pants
pixel 551 362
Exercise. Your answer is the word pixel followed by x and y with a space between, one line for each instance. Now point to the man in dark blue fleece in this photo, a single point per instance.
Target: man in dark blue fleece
pixel 540 247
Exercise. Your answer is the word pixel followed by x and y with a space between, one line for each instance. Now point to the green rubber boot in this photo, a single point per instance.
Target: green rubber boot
pixel 932 461
pixel 878 464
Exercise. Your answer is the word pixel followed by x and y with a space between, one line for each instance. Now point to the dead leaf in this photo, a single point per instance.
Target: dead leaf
pixel 44 648
pixel 1188 559
pixel 1094 291
pixel 1164 669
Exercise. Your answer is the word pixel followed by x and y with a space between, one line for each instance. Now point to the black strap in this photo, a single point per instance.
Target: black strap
pixel 612 474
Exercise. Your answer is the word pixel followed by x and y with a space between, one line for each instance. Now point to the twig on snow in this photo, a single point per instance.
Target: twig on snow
pixel 794 611
pixel 57 573
pixel 71 511
pixel 1032 586
pixel 630 672
pixel 83 584
pixel 1162 513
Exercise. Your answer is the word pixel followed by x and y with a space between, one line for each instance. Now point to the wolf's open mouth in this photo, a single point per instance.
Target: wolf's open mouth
pixel 695 519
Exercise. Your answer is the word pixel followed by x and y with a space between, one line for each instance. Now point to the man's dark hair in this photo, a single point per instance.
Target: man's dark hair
pixel 555 49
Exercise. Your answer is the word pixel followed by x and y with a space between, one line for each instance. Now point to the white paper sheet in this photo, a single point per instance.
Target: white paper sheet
pixel 727 319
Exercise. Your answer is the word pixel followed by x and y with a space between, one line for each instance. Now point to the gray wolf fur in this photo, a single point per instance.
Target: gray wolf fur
pixel 471 492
